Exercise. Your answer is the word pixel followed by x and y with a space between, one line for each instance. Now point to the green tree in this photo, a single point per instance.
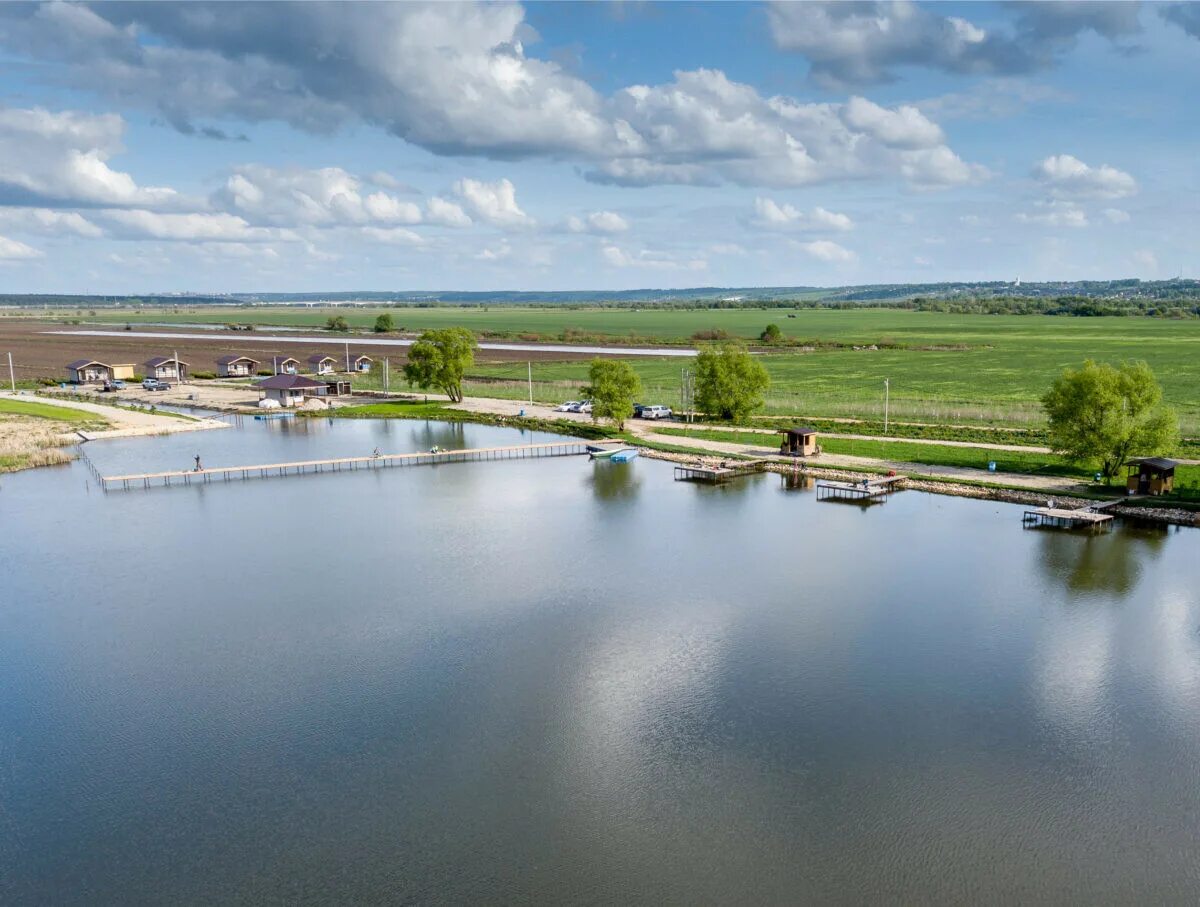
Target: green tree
pixel 384 324
pixel 730 382
pixel 440 359
pixel 1105 415
pixel 771 334
pixel 615 386
pixel 337 323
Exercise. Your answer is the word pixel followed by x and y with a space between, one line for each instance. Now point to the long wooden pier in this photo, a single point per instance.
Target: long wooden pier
pixel 342 464
pixel 868 491
pixel 1057 518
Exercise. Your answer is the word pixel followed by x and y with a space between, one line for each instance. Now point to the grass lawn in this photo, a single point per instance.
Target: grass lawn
pixel 47 411
pixel 942 368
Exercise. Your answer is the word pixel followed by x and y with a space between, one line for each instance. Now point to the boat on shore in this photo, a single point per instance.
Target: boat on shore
pixel 623 456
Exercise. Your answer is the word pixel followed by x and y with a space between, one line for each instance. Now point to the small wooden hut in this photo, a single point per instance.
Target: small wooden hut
pixel 1151 475
pixel 800 441
pixel 322 365
pixel 236 366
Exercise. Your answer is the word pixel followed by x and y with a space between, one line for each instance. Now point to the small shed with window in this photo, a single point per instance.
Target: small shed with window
pixel 1151 475
pixel 236 366
pixel 322 365
pixel 800 441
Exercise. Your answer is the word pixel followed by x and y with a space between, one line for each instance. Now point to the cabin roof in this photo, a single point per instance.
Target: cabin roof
pixel 162 360
pixel 803 430
pixel 319 358
pixel 1155 462
pixel 84 363
pixel 289 382
pixel 229 360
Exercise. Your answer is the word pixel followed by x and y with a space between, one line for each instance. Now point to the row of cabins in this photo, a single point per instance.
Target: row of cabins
pixel 168 368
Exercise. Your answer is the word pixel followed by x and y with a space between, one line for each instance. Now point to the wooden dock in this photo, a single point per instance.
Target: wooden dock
pixel 1056 518
pixel 342 464
pixel 870 491
pixel 714 474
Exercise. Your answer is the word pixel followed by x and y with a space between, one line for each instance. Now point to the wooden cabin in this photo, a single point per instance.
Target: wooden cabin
pixel 166 367
pixel 88 371
pixel 799 442
pixel 290 390
pixel 338 387
pixel 287 366
pixel 322 365
pixel 1151 475
pixel 361 364
pixel 236 366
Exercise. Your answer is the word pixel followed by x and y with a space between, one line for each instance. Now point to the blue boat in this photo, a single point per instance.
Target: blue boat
pixel 623 456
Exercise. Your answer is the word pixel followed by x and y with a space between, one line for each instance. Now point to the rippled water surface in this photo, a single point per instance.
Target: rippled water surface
pixel 565 682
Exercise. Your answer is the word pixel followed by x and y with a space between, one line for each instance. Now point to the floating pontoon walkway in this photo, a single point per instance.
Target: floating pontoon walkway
pixel 869 491
pixel 1056 518
pixel 303 467
pixel 713 474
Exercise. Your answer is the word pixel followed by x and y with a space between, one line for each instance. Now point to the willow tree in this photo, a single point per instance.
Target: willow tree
pixel 440 359
pixel 1103 415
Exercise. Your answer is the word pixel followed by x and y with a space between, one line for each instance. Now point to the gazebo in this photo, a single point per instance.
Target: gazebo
pixel 800 441
pixel 1151 475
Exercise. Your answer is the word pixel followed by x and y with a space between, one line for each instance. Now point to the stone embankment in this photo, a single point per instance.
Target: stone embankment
pixel 1172 516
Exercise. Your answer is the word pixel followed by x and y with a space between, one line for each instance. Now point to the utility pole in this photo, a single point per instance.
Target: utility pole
pixel 12 375
pixel 387 376
pixel 178 367
pixel 887 388
pixel 529 365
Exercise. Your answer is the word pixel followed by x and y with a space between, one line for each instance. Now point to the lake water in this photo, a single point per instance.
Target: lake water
pixel 564 682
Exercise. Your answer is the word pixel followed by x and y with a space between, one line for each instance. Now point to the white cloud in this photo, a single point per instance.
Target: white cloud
pixel 1116 215
pixel 194 227
pixel 55 159
pixel 445 213
pixel 14 250
pixel 903 127
pixel 857 43
pixel 494 203
pixel 772 215
pixel 454 79
pixel 319 197
pixel 49 222
pixel 394 235
pixel 599 222
pixel 617 257
pixel 1068 177
pixel 825 250
pixel 1056 214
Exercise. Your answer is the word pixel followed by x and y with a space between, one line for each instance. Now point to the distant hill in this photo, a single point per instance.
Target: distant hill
pixel 1177 298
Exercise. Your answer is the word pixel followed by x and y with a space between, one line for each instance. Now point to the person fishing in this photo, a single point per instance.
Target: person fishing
pixel 198 466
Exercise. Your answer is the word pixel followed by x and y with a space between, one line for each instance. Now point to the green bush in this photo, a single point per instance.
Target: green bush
pixel 204 376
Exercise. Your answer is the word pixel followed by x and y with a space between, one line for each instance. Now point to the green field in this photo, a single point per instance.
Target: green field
pixel 47 411
pixel 942 368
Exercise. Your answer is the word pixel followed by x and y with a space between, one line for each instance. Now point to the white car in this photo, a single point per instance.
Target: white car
pixel 585 407
pixel 567 407
pixel 656 412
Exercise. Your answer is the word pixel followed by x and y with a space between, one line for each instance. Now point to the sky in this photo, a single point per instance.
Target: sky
pixel 194 147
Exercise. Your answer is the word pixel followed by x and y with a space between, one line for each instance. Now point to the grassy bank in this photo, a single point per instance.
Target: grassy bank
pixel 35 434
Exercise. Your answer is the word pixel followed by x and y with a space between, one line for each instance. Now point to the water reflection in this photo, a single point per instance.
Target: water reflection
pixel 1110 563
pixel 796 481
pixel 614 481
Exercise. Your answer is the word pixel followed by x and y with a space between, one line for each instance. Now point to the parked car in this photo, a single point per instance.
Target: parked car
pixel 656 412
pixel 110 386
pixel 566 407
pixel 153 384
pixel 585 407
pixel 638 409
